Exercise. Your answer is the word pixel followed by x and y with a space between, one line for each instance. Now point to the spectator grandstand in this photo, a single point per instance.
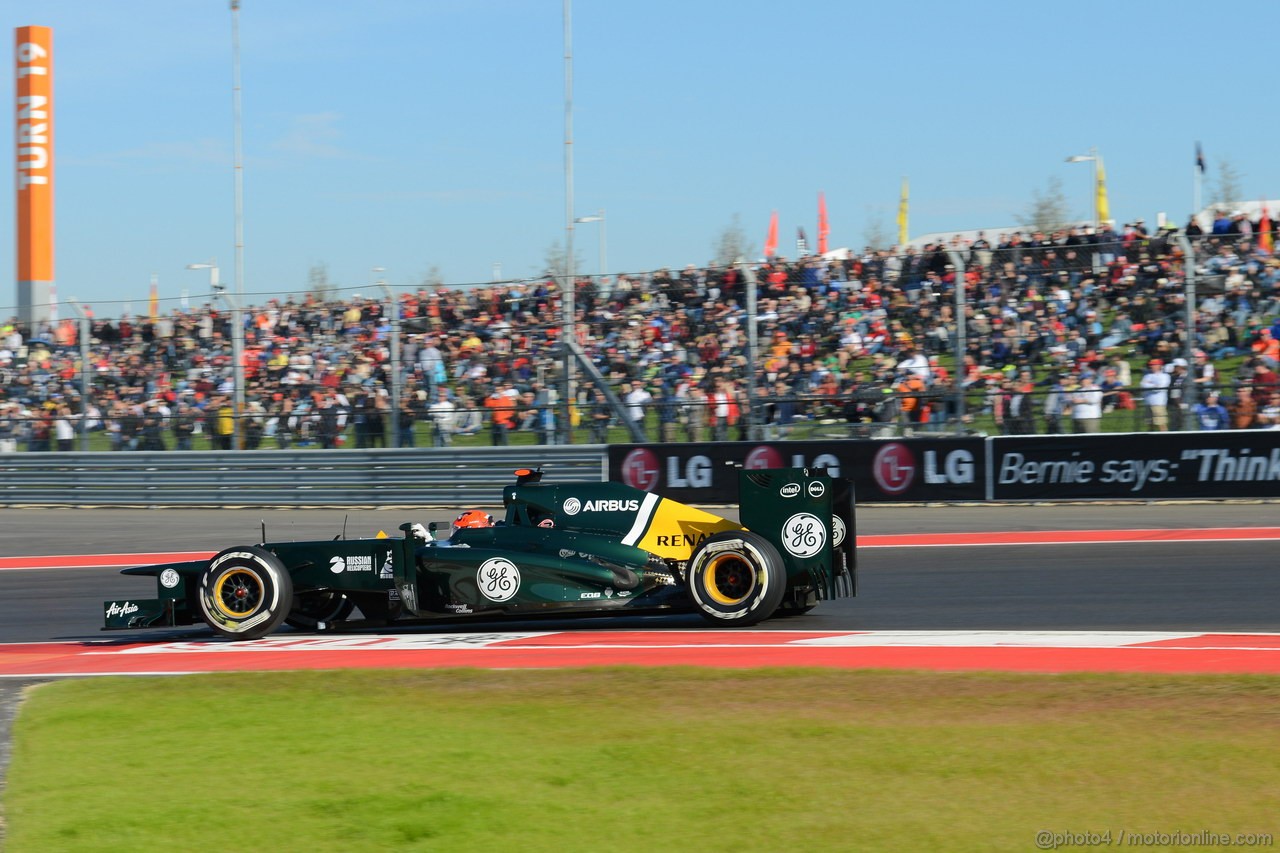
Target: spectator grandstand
pixel 855 346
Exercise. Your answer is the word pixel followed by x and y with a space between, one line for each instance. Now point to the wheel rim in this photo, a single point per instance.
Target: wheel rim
pixel 730 579
pixel 238 593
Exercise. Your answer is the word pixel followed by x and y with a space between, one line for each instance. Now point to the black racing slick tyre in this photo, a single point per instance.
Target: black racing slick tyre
pixel 737 578
pixel 320 607
pixel 245 593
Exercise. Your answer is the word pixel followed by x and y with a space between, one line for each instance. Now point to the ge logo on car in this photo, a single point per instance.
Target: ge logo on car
pixel 571 506
pixel 498 579
pixel 804 534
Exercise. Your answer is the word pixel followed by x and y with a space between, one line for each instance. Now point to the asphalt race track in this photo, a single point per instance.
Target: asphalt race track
pixel 1144 586
pixel 1215 602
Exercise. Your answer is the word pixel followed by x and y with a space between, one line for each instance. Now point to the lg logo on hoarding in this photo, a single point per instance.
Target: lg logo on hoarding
pixel 640 469
pixel 765 456
pixel 894 468
pixel 762 457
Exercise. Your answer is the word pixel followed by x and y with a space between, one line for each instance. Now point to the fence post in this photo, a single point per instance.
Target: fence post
pixel 393 409
pixel 86 374
pixel 961 343
pixel 753 347
pixel 1189 326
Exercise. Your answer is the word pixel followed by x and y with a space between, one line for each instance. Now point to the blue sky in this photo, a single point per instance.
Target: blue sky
pixel 421 134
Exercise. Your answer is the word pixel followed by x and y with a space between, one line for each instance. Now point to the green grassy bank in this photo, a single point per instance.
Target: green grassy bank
pixel 636 759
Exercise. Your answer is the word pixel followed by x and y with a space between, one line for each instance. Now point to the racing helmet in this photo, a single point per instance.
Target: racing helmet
pixel 473 518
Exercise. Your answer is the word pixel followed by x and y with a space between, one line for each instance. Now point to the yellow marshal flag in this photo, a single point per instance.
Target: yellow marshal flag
pixel 1103 209
pixel 902 215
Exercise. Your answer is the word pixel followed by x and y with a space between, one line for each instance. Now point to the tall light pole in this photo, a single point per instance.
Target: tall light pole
pixel 599 217
pixel 237 304
pixel 239 148
pixel 567 295
pixel 237 346
pixel 1091 157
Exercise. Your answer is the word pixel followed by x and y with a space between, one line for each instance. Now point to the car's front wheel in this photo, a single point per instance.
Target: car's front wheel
pixel 737 577
pixel 245 593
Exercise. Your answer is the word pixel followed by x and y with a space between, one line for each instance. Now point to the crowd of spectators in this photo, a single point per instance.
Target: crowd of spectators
pixel 1062 328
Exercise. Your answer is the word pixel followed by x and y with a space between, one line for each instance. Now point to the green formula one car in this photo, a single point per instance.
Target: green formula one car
pixel 561 550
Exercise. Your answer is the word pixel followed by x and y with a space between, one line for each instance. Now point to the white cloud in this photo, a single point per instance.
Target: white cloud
pixel 315 136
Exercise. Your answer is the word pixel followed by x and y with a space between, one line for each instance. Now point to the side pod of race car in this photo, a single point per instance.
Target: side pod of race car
pixel 561 550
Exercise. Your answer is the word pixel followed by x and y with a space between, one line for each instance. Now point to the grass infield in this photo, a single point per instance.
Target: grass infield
pixel 637 759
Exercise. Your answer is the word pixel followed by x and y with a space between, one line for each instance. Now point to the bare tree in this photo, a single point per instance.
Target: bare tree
pixel 554 260
pixel 1048 210
pixel 432 279
pixel 732 245
pixel 876 232
pixel 1227 189
pixel 318 282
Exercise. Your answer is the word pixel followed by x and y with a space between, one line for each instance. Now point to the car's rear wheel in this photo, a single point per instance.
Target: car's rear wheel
pixel 737 577
pixel 318 607
pixel 245 593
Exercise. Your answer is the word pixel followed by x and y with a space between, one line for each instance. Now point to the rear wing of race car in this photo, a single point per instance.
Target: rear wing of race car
pixel 809 517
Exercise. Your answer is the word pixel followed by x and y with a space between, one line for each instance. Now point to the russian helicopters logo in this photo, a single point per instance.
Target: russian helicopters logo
pixel 573 506
pixel 894 467
pixel 338 565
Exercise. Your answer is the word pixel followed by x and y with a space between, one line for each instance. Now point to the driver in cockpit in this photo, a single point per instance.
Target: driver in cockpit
pixel 469 519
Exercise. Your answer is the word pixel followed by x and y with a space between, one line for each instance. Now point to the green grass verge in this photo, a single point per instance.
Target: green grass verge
pixel 636 759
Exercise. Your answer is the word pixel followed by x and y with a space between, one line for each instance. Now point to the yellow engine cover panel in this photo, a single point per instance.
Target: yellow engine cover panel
pixel 675 529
